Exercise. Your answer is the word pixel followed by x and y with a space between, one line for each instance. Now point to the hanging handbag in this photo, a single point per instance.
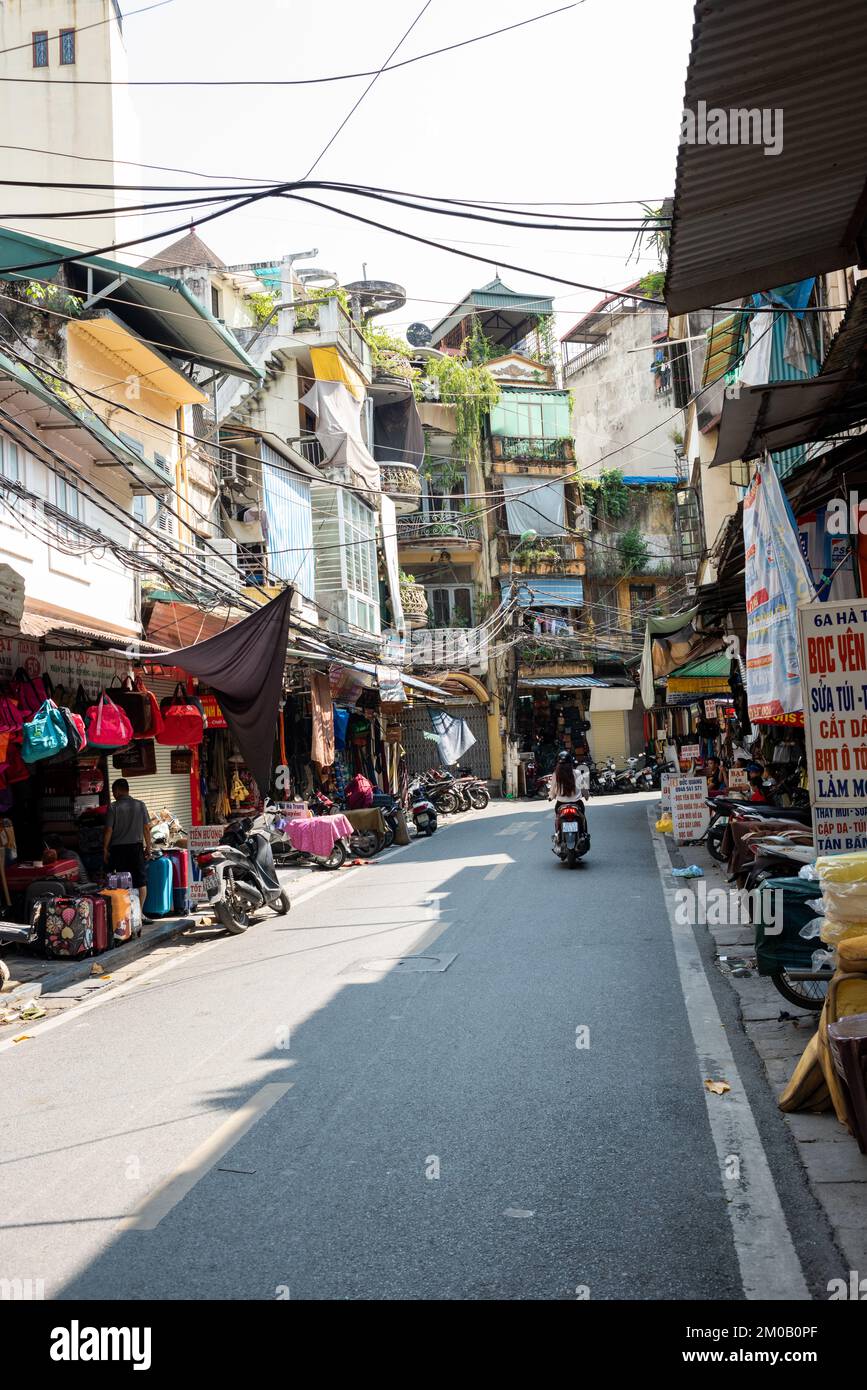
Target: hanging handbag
pixel 11 718
pixel 138 760
pixel 135 706
pixel 156 718
pixel 45 735
pixel 107 725
pixel 183 725
pixel 76 734
pixel 29 691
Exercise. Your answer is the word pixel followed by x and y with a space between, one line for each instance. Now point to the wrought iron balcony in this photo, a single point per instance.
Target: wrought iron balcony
pixel 445 527
pixel 518 449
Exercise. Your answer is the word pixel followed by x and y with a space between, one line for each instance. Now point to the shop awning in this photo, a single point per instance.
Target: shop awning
pixel 547 592
pixel 745 220
pixel 59 633
pixel 564 683
pixel 160 310
pixel 705 677
pixel 775 416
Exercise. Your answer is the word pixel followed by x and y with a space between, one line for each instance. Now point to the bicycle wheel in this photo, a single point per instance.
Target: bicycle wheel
pixel 805 994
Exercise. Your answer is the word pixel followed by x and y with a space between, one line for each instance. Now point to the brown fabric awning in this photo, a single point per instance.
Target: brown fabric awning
pixel 744 220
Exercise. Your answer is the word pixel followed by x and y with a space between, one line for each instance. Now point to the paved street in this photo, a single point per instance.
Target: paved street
pixel 293 1114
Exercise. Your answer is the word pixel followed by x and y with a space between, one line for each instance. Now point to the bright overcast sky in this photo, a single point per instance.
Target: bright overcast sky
pixel 582 107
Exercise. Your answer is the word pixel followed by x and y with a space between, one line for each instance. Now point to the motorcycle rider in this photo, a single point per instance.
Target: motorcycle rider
pixel 563 788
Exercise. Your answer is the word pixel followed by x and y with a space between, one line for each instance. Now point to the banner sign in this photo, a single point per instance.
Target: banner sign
pixel 834 663
pixel 690 813
pixel 666 782
pixel 738 781
pixel 838 830
pixel 777 581
pixel 213 714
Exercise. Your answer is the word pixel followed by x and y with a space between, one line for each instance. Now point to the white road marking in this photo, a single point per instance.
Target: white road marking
pixel 769 1264
pixel 201 1160
pixel 494 872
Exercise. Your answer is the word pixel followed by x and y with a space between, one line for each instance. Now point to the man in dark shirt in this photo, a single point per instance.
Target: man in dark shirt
pixel 127 837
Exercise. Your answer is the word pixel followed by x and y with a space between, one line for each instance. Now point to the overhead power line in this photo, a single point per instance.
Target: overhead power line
pixel 283 81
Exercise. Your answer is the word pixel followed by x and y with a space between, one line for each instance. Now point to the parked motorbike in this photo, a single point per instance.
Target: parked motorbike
pixel 571 839
pixel 285 853
pixel 535 780
pixel 240 876
pixel 363 844
pixel 424 812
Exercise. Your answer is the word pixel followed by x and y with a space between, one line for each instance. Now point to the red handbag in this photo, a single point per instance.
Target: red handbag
pixel 156 718
pixel 107 725
pixel 183 725
pixel 31 692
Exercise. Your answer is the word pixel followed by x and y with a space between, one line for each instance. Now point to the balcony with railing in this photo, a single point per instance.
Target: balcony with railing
pixel 507 449
pixel 402 483
pixel 545 555
pixel 453 531
pixel 576 363
pixel 328 322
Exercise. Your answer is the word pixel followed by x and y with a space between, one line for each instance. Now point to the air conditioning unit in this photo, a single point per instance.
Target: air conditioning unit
pixel 223 567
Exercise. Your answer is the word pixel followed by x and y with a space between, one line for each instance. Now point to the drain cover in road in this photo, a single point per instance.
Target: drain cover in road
pixel 401 965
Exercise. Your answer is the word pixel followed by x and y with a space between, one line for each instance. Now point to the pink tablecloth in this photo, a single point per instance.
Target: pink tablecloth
pixel 319 834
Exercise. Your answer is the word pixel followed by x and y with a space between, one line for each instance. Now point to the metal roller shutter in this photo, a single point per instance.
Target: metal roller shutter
pixel 165 790
pixel 421 753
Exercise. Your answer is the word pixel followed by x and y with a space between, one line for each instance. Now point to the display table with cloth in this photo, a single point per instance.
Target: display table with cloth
pixel 317 835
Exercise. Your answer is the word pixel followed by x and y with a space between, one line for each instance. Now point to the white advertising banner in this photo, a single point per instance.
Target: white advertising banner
pixel 834 664
pixel 777 581
pixel 690 813
pixel 666 782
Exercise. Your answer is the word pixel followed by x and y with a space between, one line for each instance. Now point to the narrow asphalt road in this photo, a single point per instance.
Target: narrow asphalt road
pixel 292 1113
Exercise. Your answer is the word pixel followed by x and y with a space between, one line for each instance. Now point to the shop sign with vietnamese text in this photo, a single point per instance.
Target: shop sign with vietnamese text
pixel 834 673
pixel 689 810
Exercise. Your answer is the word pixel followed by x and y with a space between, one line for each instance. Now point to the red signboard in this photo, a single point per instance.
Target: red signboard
pixel 214 715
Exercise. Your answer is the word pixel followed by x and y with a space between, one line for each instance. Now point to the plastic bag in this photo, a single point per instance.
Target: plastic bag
pixel 665 825
pixel 834 932
pixel 843 868
pixel 691 871
pixel 822 960
pixel 845 902
pixel 811 930
pixel 809 871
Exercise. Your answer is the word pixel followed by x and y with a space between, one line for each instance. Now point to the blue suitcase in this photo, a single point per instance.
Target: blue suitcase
pixel 159 896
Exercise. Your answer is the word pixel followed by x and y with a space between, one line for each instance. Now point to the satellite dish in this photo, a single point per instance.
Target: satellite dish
pixel 418 334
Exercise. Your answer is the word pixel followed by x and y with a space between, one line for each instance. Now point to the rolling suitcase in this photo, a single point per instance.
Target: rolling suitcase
pixel 135 911
pixel 101 934
pixel 69 927
pixel 118 903
pixel 181 875
pixel 119 879
pixel 159 895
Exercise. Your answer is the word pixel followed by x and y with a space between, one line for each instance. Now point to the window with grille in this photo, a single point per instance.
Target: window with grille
pixel 360 563
pixel 67 46
pixel 40 48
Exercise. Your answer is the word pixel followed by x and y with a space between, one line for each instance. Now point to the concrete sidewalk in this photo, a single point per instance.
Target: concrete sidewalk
pixel 779 1032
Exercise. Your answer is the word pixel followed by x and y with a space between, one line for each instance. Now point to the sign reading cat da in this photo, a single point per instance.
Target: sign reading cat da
pixel 77 1343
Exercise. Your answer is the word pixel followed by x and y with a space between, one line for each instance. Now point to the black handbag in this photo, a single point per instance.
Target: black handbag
pixel 136 706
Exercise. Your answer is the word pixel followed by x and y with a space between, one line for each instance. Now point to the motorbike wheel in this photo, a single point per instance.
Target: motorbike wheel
pixel 388 837
pixel 479 798
pixel 804 994
pixel 231 915
pixel 336 859
pixel 430 830
pixel 571 858
pixel 366 843
pixel 541 791
pixel 284 905
pixel 447 802
pixel 714 843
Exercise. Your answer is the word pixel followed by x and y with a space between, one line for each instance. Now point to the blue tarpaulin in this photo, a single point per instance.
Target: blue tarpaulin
pixel 553 591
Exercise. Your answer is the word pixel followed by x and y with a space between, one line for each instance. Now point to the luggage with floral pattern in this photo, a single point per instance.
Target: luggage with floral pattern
pixel 69 927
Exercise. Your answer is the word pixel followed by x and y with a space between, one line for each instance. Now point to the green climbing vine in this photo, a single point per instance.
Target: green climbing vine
pixel 473 392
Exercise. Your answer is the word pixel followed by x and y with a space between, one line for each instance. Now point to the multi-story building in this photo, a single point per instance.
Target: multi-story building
pixel 67 118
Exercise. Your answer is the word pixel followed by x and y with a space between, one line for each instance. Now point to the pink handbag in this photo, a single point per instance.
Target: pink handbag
pixel 107 725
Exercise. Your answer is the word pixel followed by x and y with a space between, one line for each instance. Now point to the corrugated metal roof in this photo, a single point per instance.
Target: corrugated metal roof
pixel 775 416
pixel 552 592
pixel 162 311
pixel 568 683
pixel 746 221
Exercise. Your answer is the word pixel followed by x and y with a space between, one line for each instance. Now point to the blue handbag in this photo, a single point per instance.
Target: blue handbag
pixel 45 735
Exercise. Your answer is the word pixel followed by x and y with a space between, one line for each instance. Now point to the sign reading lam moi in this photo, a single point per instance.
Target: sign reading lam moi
pixel 689 811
